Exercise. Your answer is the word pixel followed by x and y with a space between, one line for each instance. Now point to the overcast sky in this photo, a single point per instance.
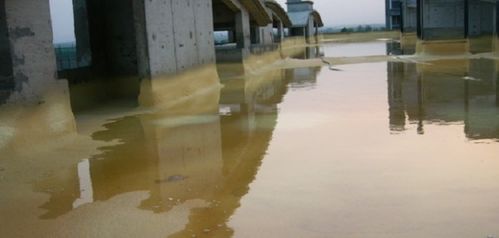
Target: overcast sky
pixel 334 13
pixel 61 12
pixel 349 12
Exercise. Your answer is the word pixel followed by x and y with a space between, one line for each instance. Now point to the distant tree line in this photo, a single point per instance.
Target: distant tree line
pixel 350 29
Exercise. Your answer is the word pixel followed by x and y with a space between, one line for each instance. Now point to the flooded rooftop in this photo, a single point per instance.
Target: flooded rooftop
pixel 372 145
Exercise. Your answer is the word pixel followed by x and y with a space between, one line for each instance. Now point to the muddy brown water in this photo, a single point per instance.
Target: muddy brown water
pixel 386 149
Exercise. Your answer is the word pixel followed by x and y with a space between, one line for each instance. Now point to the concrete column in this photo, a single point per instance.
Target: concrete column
pixel 155 37
pixel 442 19
pixel 316 35
pixel 254 35
pixel 5 59
pixel 143 57
pixel 409 16
pixel 30 37
pixel 173 35
pixel 243 29
pixel 231 36
pixel 496 22
pixel 497 90
pixel 481 22
pixel 6 80
pixel 280 32
pixel 203 13
pixel 309 30
pixel 83 51
pixel 267 34
pixel 481 18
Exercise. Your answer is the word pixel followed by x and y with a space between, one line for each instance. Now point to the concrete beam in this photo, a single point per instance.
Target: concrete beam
pixel 233 5
pixel 258 11
pixel 278 12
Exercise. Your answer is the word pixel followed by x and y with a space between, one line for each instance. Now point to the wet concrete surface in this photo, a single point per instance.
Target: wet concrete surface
pixel 378 149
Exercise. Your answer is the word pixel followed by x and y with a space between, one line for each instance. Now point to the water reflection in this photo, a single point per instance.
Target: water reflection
pixel 445 92
pixel 207 155
pixel 196 143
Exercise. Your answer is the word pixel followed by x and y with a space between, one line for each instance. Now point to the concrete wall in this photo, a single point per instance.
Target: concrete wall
pixel 33 56
pixel 443 19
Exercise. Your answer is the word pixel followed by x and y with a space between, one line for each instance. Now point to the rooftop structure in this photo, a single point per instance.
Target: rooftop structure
pixel 305 20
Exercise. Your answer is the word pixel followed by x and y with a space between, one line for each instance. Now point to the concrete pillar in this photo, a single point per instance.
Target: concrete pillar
pixel 316 35
pixel 255 35
pixel 497 90
pixel 6 80
pixel 309 30
pixel 280 31
pixel 173 35
pixel 243 29
pixel 83 52
pixel 231 36
pixel 141 38
pixel 481 22
pixel 409 16
pixel 442 19
pixel 481 17
pixel 32 52
pixel 409 25
pixel 267 34
pixel 156 49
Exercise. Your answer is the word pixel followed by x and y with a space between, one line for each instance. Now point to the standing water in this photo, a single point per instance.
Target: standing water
pixel 387 149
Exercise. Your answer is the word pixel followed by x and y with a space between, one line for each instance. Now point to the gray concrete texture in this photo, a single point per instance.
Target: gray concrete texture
pixel 178 35
pixel 6 80
pixel 449 19
pixel 481 18
pixel 31 50
pixel 409 16
pixel 144 38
